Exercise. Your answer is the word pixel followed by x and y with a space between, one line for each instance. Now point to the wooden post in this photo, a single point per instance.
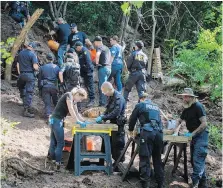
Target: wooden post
pixel 20 39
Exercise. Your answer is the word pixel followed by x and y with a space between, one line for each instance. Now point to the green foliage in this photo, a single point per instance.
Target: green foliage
pixel 127 6
pixel 215 136
pixel 202 64
pixel 98 17
pixel 5 48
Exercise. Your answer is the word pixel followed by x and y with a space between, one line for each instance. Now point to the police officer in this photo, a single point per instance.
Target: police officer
pixel 102 60
pixel 136 65
pixel 71 70
pixel 115 112
pixel 151 139
pixel 19 11
pixel 194 118
pixel 27 64
pixel 117 62
pixel 62 31
pixel 47 83
pixel 87 69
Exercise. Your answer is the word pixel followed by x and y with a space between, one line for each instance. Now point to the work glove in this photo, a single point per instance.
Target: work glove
pixel 99 119
pixel 88 122
pixel 188 134
pixel 82 124
pixel 175 134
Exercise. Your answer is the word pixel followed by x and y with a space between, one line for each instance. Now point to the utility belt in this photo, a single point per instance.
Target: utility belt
pixel 135 70
pixel 47 82
pixel 27 72
pixel 153 125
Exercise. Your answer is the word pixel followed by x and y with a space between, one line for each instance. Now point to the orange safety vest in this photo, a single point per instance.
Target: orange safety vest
pixel 93 54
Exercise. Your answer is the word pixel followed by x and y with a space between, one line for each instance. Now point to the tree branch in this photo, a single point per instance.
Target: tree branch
pixel 65 9
pixel 51 9
pixel 191 15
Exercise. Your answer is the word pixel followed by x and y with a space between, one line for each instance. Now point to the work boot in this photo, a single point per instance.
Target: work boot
pixel 194 185
pixel 203 183
pixel 28 114
pixel 145 184
pixel 90 103
pixel 58 166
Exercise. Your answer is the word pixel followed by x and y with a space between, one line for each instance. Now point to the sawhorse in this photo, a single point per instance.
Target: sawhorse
pixel 177 156
pixel 133 155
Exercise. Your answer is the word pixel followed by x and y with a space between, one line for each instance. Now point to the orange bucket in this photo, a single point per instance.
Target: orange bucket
pixel 90 144
pixel 53 45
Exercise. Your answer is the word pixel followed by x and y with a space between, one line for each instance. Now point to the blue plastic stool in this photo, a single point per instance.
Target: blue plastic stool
pixel 79 156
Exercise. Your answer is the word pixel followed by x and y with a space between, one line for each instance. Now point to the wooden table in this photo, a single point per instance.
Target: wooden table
pixel 181 143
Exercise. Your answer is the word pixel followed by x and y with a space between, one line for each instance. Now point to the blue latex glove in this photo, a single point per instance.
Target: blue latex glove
pixel 99 119
pixel 88 122
pixel 175 134
pixel 188 134
pixel 82 124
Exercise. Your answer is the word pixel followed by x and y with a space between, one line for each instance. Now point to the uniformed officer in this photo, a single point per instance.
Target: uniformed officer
pixel 87 69
pixel 117 62
pixel 115 112
pixel 63 31
pixel 19 11
pixel 151 139
pixel 48 83
pixel 27 64
pixel 71 70
pixel 136 65
pixel 102 60
pixel 194 118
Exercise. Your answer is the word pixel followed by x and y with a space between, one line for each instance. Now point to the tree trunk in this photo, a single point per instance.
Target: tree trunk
pixel 20 39
pixel 153 40
pixel 136 28
pixel 51 11
pixel 123 30
pixel 65 9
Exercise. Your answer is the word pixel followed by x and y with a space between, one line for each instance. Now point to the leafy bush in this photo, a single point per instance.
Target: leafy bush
pixel 5 48
pixel 202 64
pixel 215 136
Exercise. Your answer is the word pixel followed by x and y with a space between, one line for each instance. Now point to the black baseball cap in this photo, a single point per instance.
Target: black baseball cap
pixel 71 50
pixel 73 25
pixel 32 45
pixel 97 38
pixel 78 43
pixel 139 44
pixel 50 56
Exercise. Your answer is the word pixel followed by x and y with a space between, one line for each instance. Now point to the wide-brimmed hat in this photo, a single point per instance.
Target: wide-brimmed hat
pixel 188 92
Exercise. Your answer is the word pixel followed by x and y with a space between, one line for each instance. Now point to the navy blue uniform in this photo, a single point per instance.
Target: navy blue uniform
pixel 151 139
pixel 18 11
pixel 87 69
pixel 115 112
pixel 26 80
pixel 75 37
pixel 104 71
pixel 47 82
pixel 63 31
pixel 136 65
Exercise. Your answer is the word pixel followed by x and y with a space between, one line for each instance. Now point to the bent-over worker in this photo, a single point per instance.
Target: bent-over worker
pixel 66 104
pixel 194 118
pixel 115 112
pixel 151 139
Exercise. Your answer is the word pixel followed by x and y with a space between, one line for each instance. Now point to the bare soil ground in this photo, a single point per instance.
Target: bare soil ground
pixel 29 140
